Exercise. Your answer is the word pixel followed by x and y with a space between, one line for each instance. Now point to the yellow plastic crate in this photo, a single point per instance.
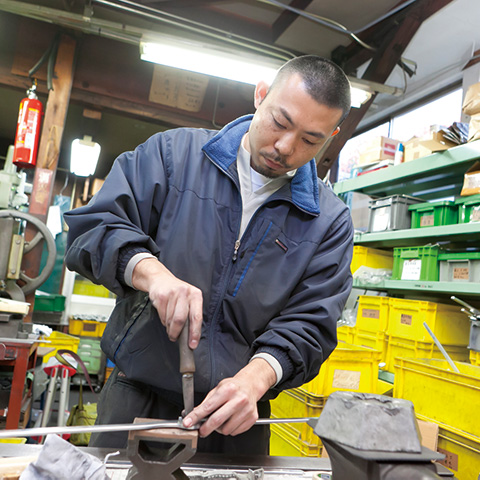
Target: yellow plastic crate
pixel 372 313
pixel 346 334
pixel 285 444
pixel 447 322
pixel 398 347
pixel 86 328
pixel 461 450
pixel 474 357
pixel 86 287
pixel 349 367
pixel 374 340
pixel 440 394
pixel 297 403
pixel 371 257
pixel 58 341
pixel 18 440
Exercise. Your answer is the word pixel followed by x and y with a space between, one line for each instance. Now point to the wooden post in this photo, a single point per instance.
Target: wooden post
pixel 49 150
pixel 53 125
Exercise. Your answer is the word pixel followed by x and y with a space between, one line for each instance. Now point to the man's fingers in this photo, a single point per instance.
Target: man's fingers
pixel 177 314
pixel 196 316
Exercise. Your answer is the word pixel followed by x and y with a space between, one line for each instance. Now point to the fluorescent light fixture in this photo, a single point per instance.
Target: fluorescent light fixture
pixel 362 90
pixel 84 156
pixel 219 61
pixel 208 59
pixel 359 96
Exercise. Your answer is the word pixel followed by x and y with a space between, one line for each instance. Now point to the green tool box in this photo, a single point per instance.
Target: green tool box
pixel 468 209
pixel 415 263
pixel 434 214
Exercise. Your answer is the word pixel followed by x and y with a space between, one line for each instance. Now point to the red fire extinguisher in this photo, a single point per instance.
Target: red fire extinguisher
pixel 28 130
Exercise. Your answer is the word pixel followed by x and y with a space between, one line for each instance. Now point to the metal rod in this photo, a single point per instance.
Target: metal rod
pixel 473 310
pixel 123 427
pixel 440 347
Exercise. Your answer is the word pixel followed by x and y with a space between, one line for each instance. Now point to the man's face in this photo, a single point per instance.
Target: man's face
pixel 289 127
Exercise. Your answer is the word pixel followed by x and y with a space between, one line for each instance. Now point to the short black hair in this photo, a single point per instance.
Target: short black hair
pixel 324 81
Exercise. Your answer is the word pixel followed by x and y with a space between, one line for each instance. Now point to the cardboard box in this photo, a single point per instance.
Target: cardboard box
pixel 471 181
pixel 471 107
pixel 419 147
pixel 380 148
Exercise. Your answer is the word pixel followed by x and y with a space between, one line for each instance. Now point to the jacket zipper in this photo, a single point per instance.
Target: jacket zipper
pixel 235 251
pixel 224 286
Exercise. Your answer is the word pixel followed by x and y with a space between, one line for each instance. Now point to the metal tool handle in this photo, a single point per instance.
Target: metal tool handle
pixel 187 360
pixel 473 310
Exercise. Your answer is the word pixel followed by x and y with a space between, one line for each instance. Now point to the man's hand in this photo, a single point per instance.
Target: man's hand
pixel 231 407
pixel 174 299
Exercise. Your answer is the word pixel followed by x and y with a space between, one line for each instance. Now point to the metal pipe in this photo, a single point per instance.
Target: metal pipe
pixel 198 28
pixel 440 347
pixel 126 427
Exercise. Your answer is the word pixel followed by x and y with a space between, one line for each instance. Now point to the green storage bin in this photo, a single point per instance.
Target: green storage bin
pixel 90 352
pixel 49 303
pixel 434 214
pixel 459 267
pixel 468 209
pixel 415 263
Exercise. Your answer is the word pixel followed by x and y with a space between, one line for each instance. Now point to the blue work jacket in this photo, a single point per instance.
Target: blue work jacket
pixel 281 291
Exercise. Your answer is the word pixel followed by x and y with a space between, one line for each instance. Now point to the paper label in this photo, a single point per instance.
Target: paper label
pixel 427 221
pixel 406 319
pixel 475 214
pixel 411 269
pixel 450 460
pixel 461 273
pixel 370 313
pixel 381 219
pixel 346 379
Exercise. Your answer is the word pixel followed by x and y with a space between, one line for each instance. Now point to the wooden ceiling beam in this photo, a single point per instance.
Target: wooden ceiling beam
pixel 287 17
pixel 383 62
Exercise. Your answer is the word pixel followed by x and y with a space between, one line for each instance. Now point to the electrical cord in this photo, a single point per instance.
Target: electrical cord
pixel 51 55
pixel 202 29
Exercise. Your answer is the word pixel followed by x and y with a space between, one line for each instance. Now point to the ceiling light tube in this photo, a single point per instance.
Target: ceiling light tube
pixel 208 59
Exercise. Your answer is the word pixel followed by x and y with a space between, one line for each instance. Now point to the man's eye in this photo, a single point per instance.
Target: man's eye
pixel 308 142
pixel 278 124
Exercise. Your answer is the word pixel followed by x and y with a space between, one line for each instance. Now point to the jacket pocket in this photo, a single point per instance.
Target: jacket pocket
pixel 124 315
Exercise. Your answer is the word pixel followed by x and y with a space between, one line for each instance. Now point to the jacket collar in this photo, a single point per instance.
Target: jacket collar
pixel 222 149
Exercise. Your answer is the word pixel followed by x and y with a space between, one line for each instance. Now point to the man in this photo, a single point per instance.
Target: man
pixel 233 231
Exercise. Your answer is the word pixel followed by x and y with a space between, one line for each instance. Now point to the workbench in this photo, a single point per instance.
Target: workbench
pixel 21 355
pixel 276 468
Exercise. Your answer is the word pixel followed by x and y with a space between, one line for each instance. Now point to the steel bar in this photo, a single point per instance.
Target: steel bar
pixel 440 347
pixel 123 427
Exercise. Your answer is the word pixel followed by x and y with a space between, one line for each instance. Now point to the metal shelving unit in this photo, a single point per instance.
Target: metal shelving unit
pixel 462 232
pixel 450 288
pixel 437 176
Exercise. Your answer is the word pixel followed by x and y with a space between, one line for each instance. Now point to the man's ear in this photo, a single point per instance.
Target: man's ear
pixel 260 92
pixel 335 131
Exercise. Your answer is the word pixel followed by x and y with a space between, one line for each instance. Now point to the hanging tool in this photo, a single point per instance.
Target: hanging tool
pixel 187 369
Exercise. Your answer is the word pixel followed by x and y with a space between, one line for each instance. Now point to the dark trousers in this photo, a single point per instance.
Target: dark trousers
pixel 122 400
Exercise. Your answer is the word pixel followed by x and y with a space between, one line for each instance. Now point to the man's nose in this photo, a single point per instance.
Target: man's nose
pixel 285 144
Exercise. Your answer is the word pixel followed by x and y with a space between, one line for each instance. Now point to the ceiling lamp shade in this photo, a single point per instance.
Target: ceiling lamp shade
pixel 84 156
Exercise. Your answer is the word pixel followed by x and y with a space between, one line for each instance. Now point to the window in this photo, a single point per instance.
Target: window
pixel 441 112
